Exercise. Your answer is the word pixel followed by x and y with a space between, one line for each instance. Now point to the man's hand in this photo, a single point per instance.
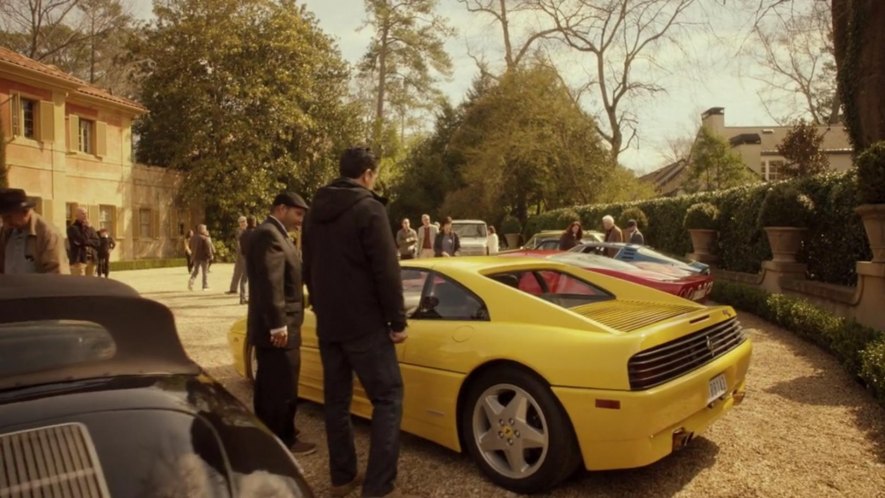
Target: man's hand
pixel 398 337
pixel 279 338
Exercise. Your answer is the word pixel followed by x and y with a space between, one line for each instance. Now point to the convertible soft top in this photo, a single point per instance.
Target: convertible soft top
pixel 39 286
pixel 58 328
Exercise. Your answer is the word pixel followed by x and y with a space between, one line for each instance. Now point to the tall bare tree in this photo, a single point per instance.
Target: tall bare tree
pixel 502 11
pixel 86 38
pixel 796 42
pixel 859 50
pixel 617 33
pixel 407 46
pixel 44 26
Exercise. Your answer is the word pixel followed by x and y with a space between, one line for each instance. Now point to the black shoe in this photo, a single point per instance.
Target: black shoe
pixel 231 292
pixel 243 300
pixel 302 448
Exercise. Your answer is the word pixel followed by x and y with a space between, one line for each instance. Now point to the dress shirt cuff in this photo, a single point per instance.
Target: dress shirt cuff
pixel 279 330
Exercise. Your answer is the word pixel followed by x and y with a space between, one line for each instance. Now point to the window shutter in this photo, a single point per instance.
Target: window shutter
pixel 155 227
pixel 73 132
pixel 119 216
pixel 47 120
pixel 46 210
pixel 94 217
pixel 101 138
pixel 16 115
pixel 114 221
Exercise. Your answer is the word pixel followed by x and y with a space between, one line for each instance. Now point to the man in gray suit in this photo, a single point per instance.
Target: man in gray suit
pixel 276 312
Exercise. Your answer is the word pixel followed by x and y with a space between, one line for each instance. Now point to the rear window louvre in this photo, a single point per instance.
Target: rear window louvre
pixel 56 461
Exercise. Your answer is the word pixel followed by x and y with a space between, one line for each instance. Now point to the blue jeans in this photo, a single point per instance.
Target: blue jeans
pixel 373 359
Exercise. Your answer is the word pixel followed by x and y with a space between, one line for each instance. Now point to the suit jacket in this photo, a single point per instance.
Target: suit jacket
pixel 433 231
pixel 276 295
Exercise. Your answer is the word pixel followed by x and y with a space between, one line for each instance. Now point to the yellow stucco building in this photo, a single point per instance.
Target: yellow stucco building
pixel 69 144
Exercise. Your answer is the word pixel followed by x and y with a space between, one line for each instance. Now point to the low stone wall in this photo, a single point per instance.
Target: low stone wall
pixel 865 302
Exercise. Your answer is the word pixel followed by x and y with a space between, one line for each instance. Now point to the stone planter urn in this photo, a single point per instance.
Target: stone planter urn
pixel 703 241
pixel 785 243
pixel 873 217
pixel 512 240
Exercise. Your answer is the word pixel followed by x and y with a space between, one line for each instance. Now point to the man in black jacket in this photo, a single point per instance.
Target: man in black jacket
pixel 84 244
pixel 275 315
pixel 354 283
pixel 243 245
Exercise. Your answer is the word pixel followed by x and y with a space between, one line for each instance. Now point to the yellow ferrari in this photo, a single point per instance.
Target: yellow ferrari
pixel 535 367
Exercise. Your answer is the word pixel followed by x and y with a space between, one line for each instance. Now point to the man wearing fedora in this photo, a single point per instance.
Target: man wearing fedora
pixel 28 243
pixel 273 322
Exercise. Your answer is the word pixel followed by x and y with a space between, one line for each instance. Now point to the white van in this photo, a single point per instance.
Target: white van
pixel 473 235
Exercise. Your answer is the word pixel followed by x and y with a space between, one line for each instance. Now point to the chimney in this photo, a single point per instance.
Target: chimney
pixel 714 119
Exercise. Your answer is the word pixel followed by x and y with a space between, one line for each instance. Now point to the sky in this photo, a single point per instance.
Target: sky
pixel 706 70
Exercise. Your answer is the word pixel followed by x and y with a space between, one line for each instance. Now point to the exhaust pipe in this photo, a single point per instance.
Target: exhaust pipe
pixel 681 438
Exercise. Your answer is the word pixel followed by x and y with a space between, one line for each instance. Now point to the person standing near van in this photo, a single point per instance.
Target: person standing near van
pixel 493 244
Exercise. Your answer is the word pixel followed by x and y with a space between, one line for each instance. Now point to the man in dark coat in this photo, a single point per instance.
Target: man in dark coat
pixel 202 253
pixel 355 287
pixel 276 313
pixel 84 244
pixel 243 245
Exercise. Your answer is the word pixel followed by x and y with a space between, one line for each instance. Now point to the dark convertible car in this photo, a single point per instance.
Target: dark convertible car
pixel 99 399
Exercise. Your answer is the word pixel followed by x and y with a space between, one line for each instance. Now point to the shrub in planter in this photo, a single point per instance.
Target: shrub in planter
pixel 511 228
pixel 785 206
pixel 510 225
pixel 871 191
pixel 701 216
pixel 871 173
pixel 633 213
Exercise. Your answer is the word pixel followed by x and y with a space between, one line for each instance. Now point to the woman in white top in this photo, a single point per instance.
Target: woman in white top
pixel 492 240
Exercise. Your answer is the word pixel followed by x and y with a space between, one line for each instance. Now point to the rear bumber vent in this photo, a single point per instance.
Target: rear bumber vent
pixel 51 462
pixel 672 359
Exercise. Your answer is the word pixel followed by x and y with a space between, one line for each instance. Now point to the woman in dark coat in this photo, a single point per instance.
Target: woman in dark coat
pixel 571 236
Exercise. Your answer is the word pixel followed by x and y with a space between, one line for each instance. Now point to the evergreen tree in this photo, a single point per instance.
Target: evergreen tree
pixel 245 97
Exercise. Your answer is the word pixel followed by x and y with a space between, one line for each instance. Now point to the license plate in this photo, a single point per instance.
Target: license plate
pixel 716 388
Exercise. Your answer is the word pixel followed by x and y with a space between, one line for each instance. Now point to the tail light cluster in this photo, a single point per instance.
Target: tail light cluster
pixel 696 292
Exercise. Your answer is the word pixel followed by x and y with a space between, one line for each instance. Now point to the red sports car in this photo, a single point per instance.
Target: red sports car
pixel 661 277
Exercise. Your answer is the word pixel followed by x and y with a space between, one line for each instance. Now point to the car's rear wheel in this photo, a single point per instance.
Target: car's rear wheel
pixel 517 432
pixel 251 362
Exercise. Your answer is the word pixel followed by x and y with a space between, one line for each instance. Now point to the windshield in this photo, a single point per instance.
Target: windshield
pixel 470 230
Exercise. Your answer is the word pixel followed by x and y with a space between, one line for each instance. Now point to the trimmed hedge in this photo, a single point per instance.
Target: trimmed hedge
pixel 861 350
pixel 146 264
pixel 835 241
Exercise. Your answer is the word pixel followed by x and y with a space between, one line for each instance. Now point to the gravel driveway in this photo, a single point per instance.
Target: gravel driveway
pixel 805 429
